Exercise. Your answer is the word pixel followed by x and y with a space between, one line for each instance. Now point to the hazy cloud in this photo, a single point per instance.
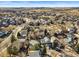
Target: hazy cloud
pixel 39 3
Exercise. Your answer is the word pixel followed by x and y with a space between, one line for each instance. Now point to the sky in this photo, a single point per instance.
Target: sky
pixel 39 3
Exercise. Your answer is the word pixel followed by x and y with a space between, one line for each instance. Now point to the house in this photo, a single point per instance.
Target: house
pixel 71 39
pixel 23 33
pixel 72 30
pixel 58 46
pixel 4 33
pixel 60 34
pixel 4 24
pixel 47 42
pixel 12 22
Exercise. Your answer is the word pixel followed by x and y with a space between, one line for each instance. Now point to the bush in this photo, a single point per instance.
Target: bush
pixel 15 51
pixel 36 47
pixel 77 48
pixel 9 50
pixel 13 39
pixel 12 50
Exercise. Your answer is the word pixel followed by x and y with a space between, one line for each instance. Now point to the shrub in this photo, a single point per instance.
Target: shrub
pixel 12 50
pixel 35 47
pixel 77 48
pixel 13 39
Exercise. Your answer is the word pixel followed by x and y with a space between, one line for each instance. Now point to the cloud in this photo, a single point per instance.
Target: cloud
pixel 39 3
